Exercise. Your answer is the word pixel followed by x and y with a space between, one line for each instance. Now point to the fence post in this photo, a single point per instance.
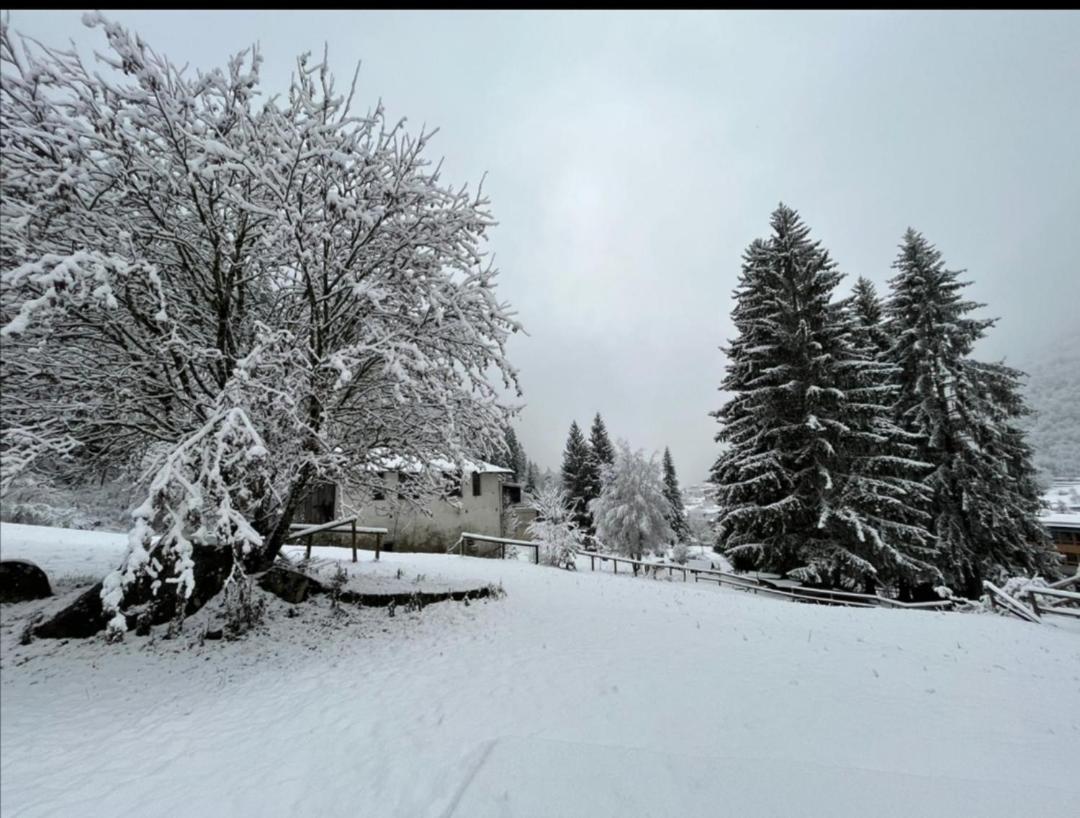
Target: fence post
pixel 307 555
pixel 536 554
pixel 592 562
pixel 354 540
pixel 378 545
pixel 615 563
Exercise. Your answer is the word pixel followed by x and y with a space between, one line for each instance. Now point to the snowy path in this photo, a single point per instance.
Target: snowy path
pixel 578 694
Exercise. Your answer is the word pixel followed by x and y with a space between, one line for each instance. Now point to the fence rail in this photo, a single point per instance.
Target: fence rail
pixel 468 539
pixel 346 525
pixel 1059 602
pixel 1068 582
pixel 999 597
pixel 722 578
pixel 760 586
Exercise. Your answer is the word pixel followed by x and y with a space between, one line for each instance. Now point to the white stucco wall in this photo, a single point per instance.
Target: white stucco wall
pixel 413 530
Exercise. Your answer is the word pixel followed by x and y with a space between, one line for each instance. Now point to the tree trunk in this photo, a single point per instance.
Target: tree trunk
pixel 973 583
pixel 86 616
pixel 275 538
pixel 904 591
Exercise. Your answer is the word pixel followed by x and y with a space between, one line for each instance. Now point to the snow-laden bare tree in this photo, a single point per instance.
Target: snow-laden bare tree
pixel 255 293
pixel 554 527
pixel 631 513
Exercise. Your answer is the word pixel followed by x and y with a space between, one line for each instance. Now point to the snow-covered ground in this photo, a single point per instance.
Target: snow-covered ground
pixel 68 555
pixel 578 694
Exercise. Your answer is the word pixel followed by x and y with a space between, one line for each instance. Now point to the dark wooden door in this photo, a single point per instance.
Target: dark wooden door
pixel 318 505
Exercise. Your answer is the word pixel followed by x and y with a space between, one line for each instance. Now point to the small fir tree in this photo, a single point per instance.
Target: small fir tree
pixel 578 476
pixel 676 513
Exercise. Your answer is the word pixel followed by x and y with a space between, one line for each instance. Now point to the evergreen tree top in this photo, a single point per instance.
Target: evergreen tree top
pixel 867 307
pixel 600 443
pixel 926 302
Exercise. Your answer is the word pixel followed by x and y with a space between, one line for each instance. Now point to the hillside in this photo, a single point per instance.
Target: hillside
pixel 1053 391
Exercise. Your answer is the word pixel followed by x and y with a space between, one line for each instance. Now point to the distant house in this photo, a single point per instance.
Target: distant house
pixel 1065 531
pixel 1062 520
pixel 481 498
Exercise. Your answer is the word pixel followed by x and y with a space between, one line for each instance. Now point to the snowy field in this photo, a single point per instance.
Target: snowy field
pixel 575 695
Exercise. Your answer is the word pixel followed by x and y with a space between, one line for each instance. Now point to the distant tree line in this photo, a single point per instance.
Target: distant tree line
pixel 630 491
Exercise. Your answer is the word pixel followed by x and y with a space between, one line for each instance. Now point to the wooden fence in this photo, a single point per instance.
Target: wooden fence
pixel 468 539
pixel 1055 599
pixel 346 525
pixel 759 586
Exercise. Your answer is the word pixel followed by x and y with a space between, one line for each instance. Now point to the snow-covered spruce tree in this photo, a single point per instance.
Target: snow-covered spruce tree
pixel 603 456
pixel 518 461
pixel 532 480
pixel 747 472
pixel 676 513
pixel 869 319
pixel 631 512
pixel 256 295
pixel 984 501
pixel 579 476
pixel 555 528
pixel 815 481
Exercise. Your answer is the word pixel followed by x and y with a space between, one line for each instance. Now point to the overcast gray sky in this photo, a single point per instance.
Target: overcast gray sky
pixel 632 156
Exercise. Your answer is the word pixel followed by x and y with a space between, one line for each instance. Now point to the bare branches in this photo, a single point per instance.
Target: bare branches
pixel 173 252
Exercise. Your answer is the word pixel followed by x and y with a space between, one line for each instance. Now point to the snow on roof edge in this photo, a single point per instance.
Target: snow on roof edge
pixel 398 463
pixel 1061 519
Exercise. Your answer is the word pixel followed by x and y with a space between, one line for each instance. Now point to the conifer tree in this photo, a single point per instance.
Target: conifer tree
pixel 603 456
pixel 602 449
pixel 516 460
pixel 869 318
pixel 531 480
pixel 680 529
pixel 962 413
pixel 813 482
pixel 579 475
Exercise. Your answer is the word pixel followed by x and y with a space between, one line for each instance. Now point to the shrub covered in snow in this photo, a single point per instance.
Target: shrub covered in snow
pixel 555 528
pixel 680 552
pixel 244 606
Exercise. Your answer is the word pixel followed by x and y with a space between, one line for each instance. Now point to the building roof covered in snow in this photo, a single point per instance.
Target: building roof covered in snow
pixel 1060 520
pixel 393 462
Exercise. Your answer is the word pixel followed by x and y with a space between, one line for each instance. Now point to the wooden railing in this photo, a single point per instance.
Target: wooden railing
pixel 346 525
pixel 760 586
pixel 1068 582
pixel 723 578
pixel 468 539
pixel 1055 599
pixel 1058 601
pixel 998 597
